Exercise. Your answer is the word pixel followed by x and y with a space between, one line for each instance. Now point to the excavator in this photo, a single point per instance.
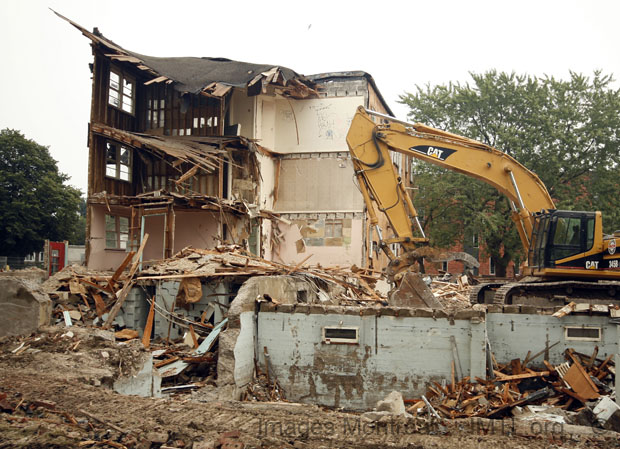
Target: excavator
pixel 569 258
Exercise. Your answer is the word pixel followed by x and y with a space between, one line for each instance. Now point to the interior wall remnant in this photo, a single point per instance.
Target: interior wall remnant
pixel 314 125
pixel 268 169
pixel 318 182
pixel 242 110
pixel 199 229
pixel 332 239
pixel 101 258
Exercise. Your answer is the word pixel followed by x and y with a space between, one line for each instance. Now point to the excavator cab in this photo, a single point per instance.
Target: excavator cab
pixel 560 238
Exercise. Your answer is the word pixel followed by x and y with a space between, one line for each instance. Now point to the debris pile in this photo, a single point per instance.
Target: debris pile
pixel 453 296
pixel 569 386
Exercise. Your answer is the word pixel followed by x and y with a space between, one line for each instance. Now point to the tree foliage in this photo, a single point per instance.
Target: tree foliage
pixel 565 131
pixel 35 203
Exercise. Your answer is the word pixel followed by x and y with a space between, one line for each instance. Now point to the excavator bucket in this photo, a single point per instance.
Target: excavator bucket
pixel 412 291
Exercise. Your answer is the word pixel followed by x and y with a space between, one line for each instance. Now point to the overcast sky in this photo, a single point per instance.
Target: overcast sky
pixel 45 88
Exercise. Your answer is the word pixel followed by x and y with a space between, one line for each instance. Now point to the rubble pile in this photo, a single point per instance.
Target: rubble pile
pixel 453 295
pixel 570 387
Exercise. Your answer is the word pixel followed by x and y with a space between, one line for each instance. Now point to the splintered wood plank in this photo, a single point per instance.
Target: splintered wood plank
pixel 99 304
pixel 193 334
pixel 127 287
pixel 119 270
pixel 148 328
pixel 580 382
pixel 501 377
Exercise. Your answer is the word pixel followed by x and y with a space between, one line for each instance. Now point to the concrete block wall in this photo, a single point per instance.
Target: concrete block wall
pixel 165 294
pixel 135 310
pixel 398 349
pixel 512 335
pixel 344 88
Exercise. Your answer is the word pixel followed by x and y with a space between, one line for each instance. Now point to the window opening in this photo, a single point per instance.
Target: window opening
pixel 341 335
pixel 121 91
pixel 116 232
pixel 582 333
pixel 118 161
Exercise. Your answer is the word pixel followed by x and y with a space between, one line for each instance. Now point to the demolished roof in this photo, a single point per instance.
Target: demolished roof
pixel 209 76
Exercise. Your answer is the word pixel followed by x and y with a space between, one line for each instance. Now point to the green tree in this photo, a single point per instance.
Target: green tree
pixel 35 203
pixel 78 237
pixel 566 131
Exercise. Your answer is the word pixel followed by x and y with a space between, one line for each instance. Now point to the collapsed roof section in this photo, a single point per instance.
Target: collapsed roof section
pixel 202 152
pixel 213 77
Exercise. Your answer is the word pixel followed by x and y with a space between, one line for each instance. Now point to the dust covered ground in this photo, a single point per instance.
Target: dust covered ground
pixel 55 393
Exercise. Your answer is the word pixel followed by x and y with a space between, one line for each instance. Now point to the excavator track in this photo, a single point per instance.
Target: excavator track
pixel 558 293
pixel 484 292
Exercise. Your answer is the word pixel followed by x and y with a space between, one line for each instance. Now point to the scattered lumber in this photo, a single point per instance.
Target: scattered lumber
pixel 568 386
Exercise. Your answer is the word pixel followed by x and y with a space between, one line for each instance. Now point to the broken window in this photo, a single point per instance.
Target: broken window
pixel 116 232
pixel 118 161
pixel 121 91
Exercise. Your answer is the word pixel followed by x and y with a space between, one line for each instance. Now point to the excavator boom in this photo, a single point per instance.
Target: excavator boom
pixel 559 244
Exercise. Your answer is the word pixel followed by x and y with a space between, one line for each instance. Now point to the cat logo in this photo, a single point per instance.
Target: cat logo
pixel 612 246
pixel 592 265
pixel 438 153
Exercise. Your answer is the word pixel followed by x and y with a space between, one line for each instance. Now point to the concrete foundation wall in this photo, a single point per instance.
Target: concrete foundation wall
pixel 399 349
pixel 393 353
pixel 512 335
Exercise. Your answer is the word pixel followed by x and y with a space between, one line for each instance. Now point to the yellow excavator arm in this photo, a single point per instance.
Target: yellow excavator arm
pixel 372 136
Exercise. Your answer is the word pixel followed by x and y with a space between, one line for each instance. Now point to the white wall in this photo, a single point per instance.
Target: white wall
pixel 313 125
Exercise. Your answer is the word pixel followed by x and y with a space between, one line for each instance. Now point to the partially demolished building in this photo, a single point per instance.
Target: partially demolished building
pixel 241 161
pixel 202 151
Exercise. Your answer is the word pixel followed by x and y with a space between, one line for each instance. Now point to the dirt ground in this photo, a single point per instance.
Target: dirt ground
pixel 54 393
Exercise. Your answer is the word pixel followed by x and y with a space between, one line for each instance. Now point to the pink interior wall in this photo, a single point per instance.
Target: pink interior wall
pixel 154 227
pixel 101 258
pixel 195 229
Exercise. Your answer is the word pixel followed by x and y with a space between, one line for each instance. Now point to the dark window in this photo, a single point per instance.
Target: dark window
pixel 583 333
pixel 347 335
pixel 116 232
pixel 567 237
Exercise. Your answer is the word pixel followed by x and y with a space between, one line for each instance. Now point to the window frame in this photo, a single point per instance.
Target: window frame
pixel 117 233
pixel 123 79
pixel 326 339
pixel 117 161
pixel 582 338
